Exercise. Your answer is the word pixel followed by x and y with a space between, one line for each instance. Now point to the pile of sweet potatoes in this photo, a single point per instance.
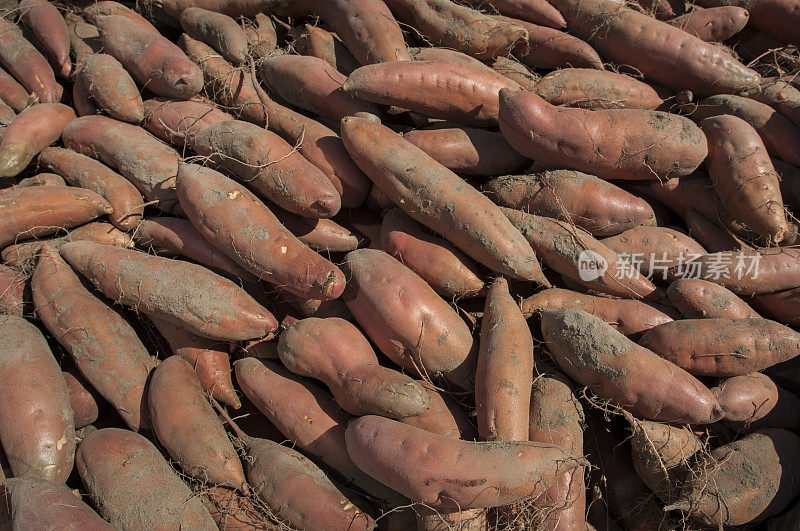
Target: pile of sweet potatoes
pixel 400 264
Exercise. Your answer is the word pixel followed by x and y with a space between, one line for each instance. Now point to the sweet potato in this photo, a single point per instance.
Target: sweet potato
pixel 782 305
pixel 663 53
pixel 724 346
pixel 85 172
pixel 217 30
pixel 777 18
pixel 453 91
pixel 12 93
pixel 42 210
pixel 701 299
pixel 29 133
pixel 576 255
pixel 550 48
pixel 84 38
pixel 50 30
pixel 111 88
pixel 317 42
pixel 661 455
pixel 270 166
pixel 442 266
pixel 710 234
pixel 467 150
pixel 779 94
pixel 714 24
pixel 311 84
pixel 743 176
pixel 405 318
pixel 208 358
pixel 430 519
pixel 114 463
pixel 536 11
pixel 255 240
pixel 654 250
pixel 177 122
pixel 679 194
pixel 445 55
pixel 445 416
pixel 102 344
pixel 38 504
pixel 504 368
pixel 745 481
pixel 780 136
pixel 320 234
pixel 186 294
pixel 306 415
pixel 234 512
pixel 42 179
pixel 187 426
pixel 151 59
pixel 439 199
pixel 445 23
pixel 349 368
pixel 83 405
pixel 515 71
pixel 80 99
pixel 630 317
pixel 261 35
pixel 145 161
pixel 590 88
pixel 754 401
pixel 232 88
pixel 14 292
pixel 561 194
pixel 614 368
pixel 645 144
pixel 556 417
pixel 36 423
pixel 27 65
pixel 448 473
pixel 110 7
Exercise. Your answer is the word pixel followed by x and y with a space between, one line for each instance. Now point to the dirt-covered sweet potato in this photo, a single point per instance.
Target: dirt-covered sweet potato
pixel 504 368
pixel 537 11
pixel 111 88
pixel 644 144
pixel 550 48
pixel 744 178
pixel 229 216
pixel 448 473
pixel 439 199
pixel 454 91
pixel 85 172
pixel 187 294
pixel 154 61
pixel 83 404
pixel 468 150
pixel 320 234
pixel 515 71
pixel 446 269
pixel 654 250
pixel 701 299
pixel 723 346
pixel 177 122
pixel 334 351
pixel 714 24
pixel 110 7
pixel 29 133
pixel 779 94
pixel 590 88
pixel 12 93
pixel 15 296
pixel 42 179
pixel 26 64
pixel 36 424
pixel 317 42
pixel 745 481
pixel 663 53
pixel 629 375
pixel 561 194
pixel 39 504
pixel 42 210
pixel 217 30
pixel 261 35
pixel 50 30
pixel 114 464
pixel 137 155
pixel 406 319
pixel 630 317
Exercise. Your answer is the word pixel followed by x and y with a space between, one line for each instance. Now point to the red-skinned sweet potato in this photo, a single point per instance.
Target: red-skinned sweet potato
pixel 654 250
pixel 261 35
pixel 83 404
pixel 777 18
pixel 187 426
pixel 84 38
pixel 550 48
pixel 217 30
pixel 536 11
pixel 38 504
pixel 259 243
pixel 504 368
pixel 406 319
pixel 590 88
pixel 29 133
pixel 515 71
pixel 630 376
pixel 42 179
pixel 111 88
pixel 561 194
pixel 754 401
pixel 445 416
pixel 155 62
pixel 15 296
pixel 439 199
pixel 645 144
pixel 85 172
pixel 724 346
pixel 80 99
pixel 203 302
pixel 37 427
pixel 42 210
pixel 446 269
pixel 12 93
pixel 779 94
pixel 317 42
pixel 320 234
pixel 26 64
pixel 334 351
pixel 696 299
pixel 714 24
pixel 49 28
pixel 781 305
pixel 114 463
pixel 448 473
pixel 234 512
pixel 109 7
pixel 141 158
pixel 104 347
pixel 177 122
pixel 630 317
pixel 710 234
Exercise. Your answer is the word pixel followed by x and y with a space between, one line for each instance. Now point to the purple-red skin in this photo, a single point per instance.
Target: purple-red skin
pixel 29 133
pixel 27 65
pixel 50 29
